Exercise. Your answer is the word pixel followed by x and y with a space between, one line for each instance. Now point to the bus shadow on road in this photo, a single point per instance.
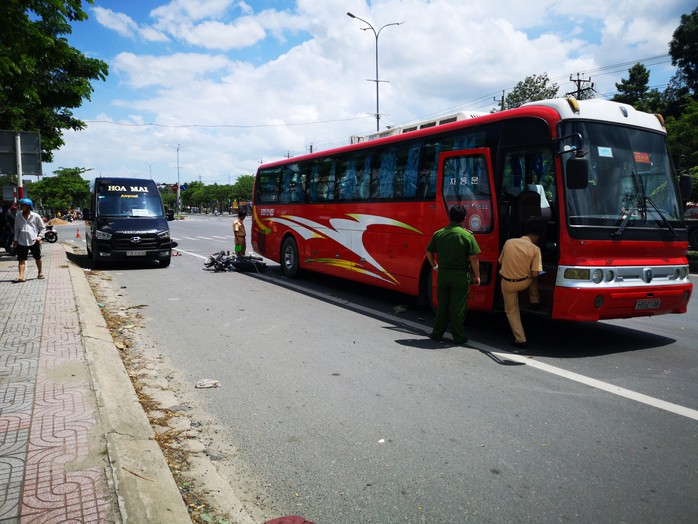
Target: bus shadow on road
pixel 547 337
pixel 560 339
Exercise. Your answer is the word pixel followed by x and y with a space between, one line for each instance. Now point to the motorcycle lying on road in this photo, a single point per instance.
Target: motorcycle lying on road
pixel 221 261
pixel 50 235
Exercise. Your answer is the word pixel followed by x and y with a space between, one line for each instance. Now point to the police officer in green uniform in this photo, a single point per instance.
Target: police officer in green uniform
pixel 456 251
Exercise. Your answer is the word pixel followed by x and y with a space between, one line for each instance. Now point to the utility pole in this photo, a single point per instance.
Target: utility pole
pixel 578 82
pixel 500 101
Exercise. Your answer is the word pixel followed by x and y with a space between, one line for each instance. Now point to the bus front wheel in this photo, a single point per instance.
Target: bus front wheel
pixel 289 258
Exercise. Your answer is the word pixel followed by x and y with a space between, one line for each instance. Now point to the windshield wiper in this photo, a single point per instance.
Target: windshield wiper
pixel 640 205
pixel 625 218
pixel 664 219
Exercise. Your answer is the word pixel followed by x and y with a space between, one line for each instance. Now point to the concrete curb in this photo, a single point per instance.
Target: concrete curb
pixel 145 487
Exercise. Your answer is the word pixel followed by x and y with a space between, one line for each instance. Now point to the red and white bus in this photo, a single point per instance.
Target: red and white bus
pixel 594 176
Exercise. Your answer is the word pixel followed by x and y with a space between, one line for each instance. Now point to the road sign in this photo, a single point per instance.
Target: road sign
pixel 30 144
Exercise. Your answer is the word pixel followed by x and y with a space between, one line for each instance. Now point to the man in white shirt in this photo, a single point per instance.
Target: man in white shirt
pixel 29 230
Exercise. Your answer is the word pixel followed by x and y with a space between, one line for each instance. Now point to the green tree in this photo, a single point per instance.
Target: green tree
pixel 682 136
pixel 42 78
pixel 535 87
pixel 193 195
pixel 672 98
pixel 242 189
pixel 634 90
pixel 683 49
pixel 168 196
pixel 66 190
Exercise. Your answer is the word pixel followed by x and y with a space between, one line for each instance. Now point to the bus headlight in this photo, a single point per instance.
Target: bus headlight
pixel 684 272
pixel 102 235
pixel 597 276
pixel 572 273
pixel 610 276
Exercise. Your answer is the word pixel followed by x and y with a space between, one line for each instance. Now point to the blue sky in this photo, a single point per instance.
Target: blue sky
pixel 234 83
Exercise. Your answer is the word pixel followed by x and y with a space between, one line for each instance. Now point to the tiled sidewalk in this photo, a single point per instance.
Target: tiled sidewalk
pixel 53 460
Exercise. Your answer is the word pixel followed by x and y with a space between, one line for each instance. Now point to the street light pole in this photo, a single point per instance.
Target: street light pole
pixel 150 168
pixel 376 34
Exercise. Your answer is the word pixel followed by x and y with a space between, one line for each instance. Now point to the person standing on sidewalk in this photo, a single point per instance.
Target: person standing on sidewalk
pixel 520 262
pixel 457 252
pixel 29 230
pixel 240 234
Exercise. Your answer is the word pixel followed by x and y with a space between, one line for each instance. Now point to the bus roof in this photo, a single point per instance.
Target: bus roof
pixel 566 109
pixel 602 110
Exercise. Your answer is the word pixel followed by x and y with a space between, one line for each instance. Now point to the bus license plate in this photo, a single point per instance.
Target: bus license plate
pixel 140 253
pixel 647 303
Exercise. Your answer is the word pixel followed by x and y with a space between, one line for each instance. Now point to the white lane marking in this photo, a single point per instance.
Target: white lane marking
pixel 604 386
pixel 222 238
pixel 205 238
pixel 202 257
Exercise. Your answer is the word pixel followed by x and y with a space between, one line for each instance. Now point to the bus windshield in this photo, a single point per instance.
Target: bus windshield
pixel 120 201
pixel 631 181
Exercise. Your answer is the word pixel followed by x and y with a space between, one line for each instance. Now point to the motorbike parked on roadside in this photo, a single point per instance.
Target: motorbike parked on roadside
pixel 6 240
pixel 50 235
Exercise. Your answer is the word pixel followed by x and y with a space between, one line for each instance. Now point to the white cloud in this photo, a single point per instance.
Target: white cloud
pixel 217 35
pixel 119 22
pixel 172 70
pixel 224 64
pixel 125 26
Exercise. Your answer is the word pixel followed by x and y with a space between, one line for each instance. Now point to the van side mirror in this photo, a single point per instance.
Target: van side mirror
pixel 577 171
pixel 169 214
pixel 86 214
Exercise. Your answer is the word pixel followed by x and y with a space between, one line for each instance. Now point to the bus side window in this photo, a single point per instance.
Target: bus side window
pixel 323 182
pixel 289 184
pixel 386 174
pixel 543 180
pixel 268 186
pixel 426 183
pixel 362 164
pixel 375 178
pixel 406 175
pixel 346 177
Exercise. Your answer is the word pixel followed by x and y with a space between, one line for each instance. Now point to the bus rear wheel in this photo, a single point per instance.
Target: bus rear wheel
pixel 289 258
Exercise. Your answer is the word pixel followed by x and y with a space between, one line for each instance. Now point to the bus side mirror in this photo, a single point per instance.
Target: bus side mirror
pixel 577 172
pixel 86 214
pixel 686 186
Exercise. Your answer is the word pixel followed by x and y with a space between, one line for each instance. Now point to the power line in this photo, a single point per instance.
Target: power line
pixel 233 126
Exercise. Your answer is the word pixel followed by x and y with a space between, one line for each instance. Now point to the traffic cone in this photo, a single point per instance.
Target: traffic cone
pixel 78 235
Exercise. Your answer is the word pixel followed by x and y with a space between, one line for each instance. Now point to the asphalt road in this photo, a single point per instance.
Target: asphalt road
pixel 341 409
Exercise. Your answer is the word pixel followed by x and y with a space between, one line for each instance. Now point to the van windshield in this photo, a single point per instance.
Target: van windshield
pixel 115 201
